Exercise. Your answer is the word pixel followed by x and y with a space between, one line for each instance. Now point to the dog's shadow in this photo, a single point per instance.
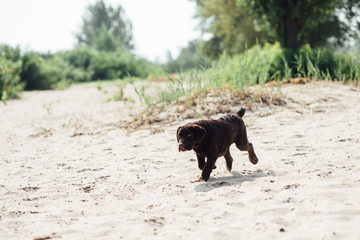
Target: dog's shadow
pixel 235 179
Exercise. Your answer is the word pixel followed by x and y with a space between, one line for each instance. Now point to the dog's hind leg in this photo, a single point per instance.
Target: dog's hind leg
pixel 229 160
pixel 243 144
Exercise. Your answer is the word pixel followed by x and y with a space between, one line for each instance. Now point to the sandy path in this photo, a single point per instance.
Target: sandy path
pixel 67 171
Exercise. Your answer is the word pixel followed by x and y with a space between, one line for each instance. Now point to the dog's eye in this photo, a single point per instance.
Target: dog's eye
pixel 189 135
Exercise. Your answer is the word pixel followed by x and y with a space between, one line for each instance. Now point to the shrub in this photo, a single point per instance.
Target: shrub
pixel 48 71
pixel 56 72
pixel 88 65
pixel 9 72
pixel 10 53
pixel 31 72
pixel 119 64
pixel 9 79
pixel 79 59
pixel 44 72
pixel 107 65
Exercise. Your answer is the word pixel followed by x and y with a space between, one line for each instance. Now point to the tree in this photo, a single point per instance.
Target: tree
pixel 230 25
pixel 105 28
pixel 234 23
pixel 297 22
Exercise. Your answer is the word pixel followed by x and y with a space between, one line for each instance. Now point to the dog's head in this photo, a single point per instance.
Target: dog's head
pixel 189 136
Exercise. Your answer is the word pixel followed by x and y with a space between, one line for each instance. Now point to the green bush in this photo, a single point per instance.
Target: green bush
pixel 38 71
pixel 9 79
pixel 10 53
pixel 56 71
pixel 79 59
pixel 9 72
pixel 119 64
pixel 89 65
pixel 44 72
pixel 107 65
pixel 147 69
pixel 32 73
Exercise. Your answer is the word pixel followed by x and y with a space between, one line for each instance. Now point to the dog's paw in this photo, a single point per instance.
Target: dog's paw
pixel 253 159
pixel 197 180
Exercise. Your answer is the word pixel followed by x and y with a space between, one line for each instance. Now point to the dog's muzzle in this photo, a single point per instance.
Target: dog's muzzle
pixel 183 147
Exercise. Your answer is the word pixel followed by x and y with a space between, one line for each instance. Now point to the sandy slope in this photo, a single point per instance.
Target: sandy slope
pixel 68 171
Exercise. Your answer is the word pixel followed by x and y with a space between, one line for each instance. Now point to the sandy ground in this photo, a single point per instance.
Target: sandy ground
pixel 68 171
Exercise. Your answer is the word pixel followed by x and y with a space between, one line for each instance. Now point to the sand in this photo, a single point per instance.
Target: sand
pixel 68 171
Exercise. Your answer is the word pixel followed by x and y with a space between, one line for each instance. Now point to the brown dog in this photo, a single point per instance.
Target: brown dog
pixel 212 139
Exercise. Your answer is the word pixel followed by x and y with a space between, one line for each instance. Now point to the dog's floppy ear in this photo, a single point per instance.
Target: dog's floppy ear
pixel 178 131
pixel 200 133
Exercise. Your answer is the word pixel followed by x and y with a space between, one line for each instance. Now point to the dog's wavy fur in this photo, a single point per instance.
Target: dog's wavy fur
pixel 211 139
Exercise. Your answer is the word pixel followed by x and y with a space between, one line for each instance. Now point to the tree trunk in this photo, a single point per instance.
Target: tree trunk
pixel 291 32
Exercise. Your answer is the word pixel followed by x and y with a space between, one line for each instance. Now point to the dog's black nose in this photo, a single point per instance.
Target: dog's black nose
pixel 182 148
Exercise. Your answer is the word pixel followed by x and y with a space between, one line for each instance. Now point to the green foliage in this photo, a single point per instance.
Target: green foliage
pixel 147 69
pixel 81 65
pixel 9 72
pixel 9 79
pixel 107 66
pixel 102 65
pixel 10 53
pixel 56 72
pixel 31 71
pixel 80 60
pixel 236 73
pixel 320 63
pixel 294 23
pixel 254 66
pixel 41 73
pixel 231 25
pixel 271 62
pixel 105 28
pixel 236 23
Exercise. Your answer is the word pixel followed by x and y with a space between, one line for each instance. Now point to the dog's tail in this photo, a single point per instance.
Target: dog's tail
pixel 241 112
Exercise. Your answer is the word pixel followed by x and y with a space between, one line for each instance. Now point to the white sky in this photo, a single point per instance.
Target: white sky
pixel 49 25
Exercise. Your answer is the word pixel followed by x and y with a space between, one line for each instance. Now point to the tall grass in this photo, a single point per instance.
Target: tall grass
pixel 175 90
pixel 235 74
pixel 316 64
pixel 256 66
pixel 247 69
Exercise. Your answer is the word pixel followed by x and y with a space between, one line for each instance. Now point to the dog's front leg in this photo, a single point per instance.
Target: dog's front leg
pixel 201 161
pixel 209 166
